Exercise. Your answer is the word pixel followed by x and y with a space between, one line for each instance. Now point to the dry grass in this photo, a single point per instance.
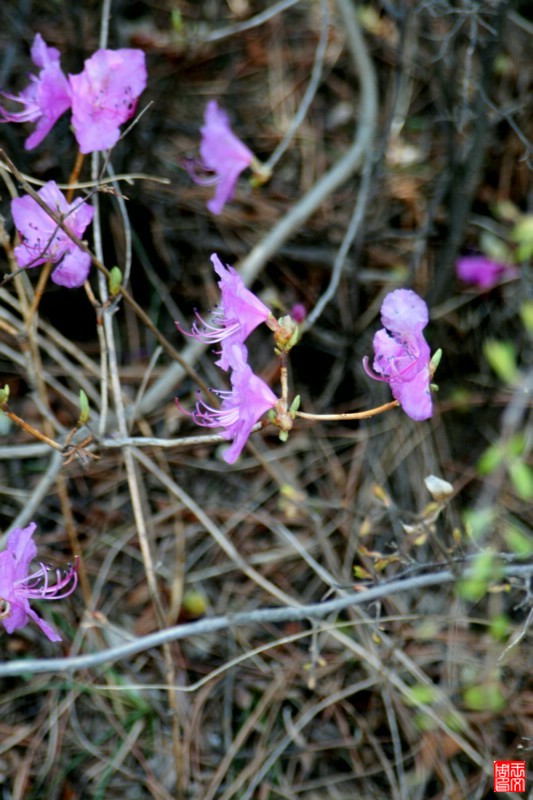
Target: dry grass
pixel 412 696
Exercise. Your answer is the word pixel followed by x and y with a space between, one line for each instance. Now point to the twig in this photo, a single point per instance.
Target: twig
pixel 253 22
pixel 310 91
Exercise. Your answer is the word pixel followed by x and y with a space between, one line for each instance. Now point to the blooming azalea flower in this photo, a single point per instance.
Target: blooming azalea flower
pixel 42 240
pixel 482 271
pixel 402 355
pixel 46 97
pixel 105 95
pixel 238 314
pixel 222 153
pixel 18 585
pixel 241 408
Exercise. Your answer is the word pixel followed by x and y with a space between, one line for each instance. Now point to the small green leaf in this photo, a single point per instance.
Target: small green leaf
pixel 526 312
pixel 361 573
pixel 521 476
pixel 502 358
pixel 484 571
pixel 494 248
pixel 499 627
pixel 422 695
pixel 523 230
pixel 518 541
pixel 490 460
pixel 516 444
pixel 486 697
pixel 176 20
pixel 478 522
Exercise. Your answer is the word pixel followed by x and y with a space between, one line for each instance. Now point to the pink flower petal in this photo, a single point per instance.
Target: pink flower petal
pixel 105 95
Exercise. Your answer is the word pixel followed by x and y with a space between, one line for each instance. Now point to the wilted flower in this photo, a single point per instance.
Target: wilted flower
pixel 402 355
pixel 482 271
pixel 239 312
pixel 18 585
pixel 242 407
pixel 46 97
pixel 42 240
pixel 222 153
pixel 105 95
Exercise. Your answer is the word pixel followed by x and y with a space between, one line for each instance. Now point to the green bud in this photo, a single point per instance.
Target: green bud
pixel 85 412
pixel 176 20
pixel 4 395
pixel 435 361
pixel 283 436
pixel 115 281
pixel 295 405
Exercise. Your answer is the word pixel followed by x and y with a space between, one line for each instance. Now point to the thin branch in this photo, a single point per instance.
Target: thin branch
pixel 243 619
pixel 312 86
pixel 253 22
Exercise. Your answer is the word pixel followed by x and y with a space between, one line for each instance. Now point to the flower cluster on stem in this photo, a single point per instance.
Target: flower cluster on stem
pixel 239 313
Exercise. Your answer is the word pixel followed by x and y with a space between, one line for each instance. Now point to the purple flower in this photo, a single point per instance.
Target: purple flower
pixel 402 355
pixel 238 314
pixel 248 400
pixel 18 585
pixel 483 272
pixel 223 154
pixel 105 95
pixel 42 240
pixel 46 97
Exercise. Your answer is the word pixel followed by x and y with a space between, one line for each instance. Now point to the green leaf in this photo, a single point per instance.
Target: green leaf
pixel 499 627
pixel 479 521
pixel 494 248
pixel 422 695
pixel 516 444
pixel 502 358
pixel 521 476
pixel 485 697
pixel 526 312
pixel 490 460
pixel 523 230
pixel 518 541
pixel 484 571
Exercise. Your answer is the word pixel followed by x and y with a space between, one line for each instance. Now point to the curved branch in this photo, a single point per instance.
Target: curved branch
pixel 244 618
